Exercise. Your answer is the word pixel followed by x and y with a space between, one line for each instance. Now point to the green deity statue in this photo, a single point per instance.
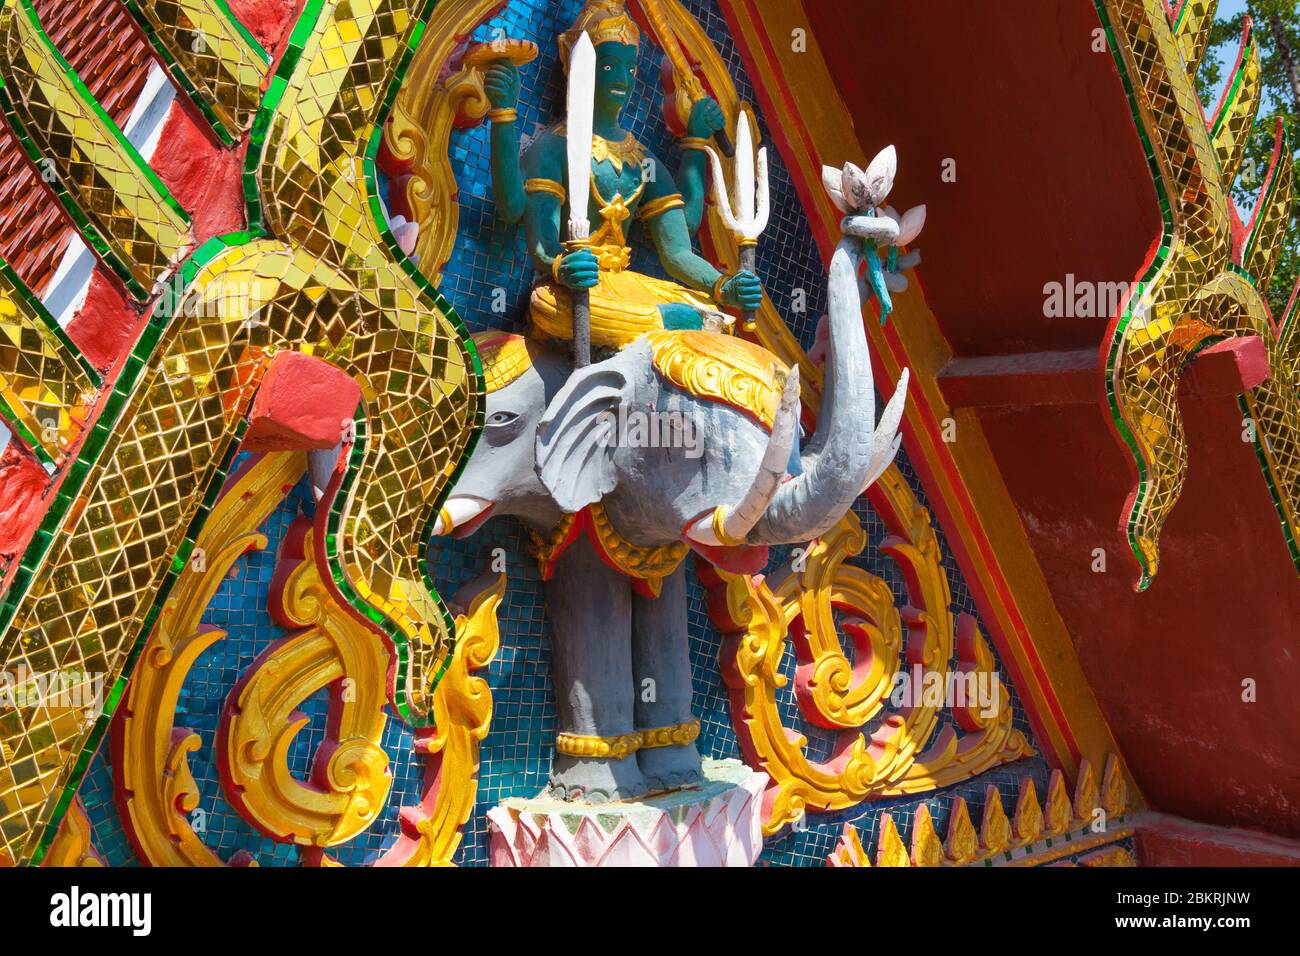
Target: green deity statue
pixel 628 182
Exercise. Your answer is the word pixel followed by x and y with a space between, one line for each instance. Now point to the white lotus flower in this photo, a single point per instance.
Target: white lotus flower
pixel 854 190
pixel 868 190
pixel 831 179
pixel 910 226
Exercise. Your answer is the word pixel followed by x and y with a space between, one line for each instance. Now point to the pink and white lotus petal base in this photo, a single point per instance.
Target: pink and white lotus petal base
pixel 718 823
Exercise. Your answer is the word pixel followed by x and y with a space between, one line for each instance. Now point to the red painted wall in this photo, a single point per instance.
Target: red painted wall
pixel 1168 841
pixel 1051 179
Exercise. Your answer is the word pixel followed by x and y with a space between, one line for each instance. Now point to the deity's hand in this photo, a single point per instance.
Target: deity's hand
pixel 744 290
pixel 578 270
pixel 501 83
pixel 706 118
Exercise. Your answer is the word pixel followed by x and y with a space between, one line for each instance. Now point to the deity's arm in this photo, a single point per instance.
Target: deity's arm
pixel 663 209
pixel 507 176
pixel 693 173
pixel 501 83
pixel 693 181
pixel 544 166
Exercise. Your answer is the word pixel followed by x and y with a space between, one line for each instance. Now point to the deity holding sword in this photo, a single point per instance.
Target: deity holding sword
pixel 625 182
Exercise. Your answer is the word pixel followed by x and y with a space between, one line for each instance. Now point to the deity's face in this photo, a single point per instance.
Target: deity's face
pixel 615 74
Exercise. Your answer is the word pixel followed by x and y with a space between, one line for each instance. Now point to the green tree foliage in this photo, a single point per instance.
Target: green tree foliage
pixel 1277 31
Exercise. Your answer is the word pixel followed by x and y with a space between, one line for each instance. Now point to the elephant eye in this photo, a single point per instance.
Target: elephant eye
pixel 501 418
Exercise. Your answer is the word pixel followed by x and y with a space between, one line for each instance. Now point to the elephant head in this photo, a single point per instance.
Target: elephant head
pixel 681 435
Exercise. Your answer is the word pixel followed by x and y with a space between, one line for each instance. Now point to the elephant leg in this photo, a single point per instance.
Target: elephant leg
pixel 590 609
pixel 661 671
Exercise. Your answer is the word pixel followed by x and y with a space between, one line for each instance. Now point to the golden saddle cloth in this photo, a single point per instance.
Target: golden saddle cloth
pixel 721 368
pixel 624 305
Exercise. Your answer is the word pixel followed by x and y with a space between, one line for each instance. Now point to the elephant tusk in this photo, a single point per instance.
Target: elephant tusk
pixel 886 440
pixel 458 511
pixel 729 527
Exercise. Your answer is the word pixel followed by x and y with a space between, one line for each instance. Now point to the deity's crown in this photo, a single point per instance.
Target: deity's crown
pixel 603 20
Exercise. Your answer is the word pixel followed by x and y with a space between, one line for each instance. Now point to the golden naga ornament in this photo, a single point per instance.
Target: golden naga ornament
pixel 315 272
pixel 1208 280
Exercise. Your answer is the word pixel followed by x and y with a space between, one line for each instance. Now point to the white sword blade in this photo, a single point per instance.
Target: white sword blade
pixel 581 106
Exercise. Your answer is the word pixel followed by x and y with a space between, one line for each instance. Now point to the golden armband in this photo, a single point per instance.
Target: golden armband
pixel 657 207
pixel 544 186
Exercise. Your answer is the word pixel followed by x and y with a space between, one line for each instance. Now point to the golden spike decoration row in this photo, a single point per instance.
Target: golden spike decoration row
pixel 1062 825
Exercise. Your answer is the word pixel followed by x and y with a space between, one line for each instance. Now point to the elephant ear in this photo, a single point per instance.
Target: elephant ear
pixel 576 438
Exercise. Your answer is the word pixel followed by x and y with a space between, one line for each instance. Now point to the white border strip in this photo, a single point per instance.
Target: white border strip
pixel 66 292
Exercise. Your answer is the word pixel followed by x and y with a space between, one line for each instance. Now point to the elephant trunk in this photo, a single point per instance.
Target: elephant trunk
pixel 844 450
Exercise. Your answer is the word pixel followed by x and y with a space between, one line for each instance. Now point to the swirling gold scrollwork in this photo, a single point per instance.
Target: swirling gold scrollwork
pixel 433 101
pixel 152 783
pixel 155 790
pixel 431 830
pixel 462 707
pixel 832 692
pixel 74 845
pixel 907 752
pixel 330 650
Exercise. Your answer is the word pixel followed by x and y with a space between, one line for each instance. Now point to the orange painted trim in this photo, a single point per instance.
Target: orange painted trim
pixel 963 484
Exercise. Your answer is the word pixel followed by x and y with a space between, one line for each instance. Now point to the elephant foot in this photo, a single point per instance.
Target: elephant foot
pixel 596 779
pixel 670 768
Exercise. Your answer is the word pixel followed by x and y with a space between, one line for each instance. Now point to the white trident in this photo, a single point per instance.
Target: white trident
pixel 749 219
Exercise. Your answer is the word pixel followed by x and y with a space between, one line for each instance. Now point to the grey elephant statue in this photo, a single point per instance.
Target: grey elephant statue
pixel 681 440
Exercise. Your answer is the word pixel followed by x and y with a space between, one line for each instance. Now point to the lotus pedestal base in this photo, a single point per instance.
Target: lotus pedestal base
pixel 718 823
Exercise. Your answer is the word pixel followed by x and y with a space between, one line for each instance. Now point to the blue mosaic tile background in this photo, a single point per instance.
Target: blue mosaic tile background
pixel 516 753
